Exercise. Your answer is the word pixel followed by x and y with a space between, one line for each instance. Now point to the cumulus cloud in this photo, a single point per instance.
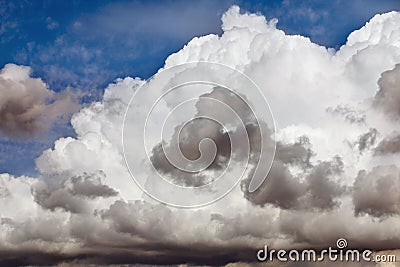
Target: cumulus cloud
pixel 377 192
pixel 335 171
pixel 388 97
pixel 366 140
pixel 389 145
pixel 313 188
pixel 27 106
pixel 192 133
pixel 72 194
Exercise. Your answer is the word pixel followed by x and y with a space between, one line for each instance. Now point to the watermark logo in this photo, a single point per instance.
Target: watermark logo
pixel 192 132
pixel 340 253
pixel 341 243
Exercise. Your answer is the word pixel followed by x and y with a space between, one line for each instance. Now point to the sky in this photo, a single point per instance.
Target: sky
pixel 86 45
pixel 101 165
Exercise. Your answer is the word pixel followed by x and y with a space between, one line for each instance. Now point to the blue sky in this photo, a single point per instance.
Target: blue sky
pixel 87 44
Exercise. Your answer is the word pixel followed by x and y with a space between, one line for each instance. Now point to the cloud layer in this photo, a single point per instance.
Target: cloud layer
pixel 335 174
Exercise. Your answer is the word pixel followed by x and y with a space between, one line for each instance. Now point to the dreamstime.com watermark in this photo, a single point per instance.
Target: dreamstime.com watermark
pixel 340 253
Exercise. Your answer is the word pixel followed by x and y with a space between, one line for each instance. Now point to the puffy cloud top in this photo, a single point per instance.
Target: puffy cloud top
pixel 336 167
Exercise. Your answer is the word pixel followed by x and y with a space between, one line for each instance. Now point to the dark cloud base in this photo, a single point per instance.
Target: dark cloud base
pixel 164 255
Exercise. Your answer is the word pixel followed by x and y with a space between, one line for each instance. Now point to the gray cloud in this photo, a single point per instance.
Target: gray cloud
pixel 299 153
pixel 377 192
pixel 193 132
pixel 72 194
pixel 348 114
pixel 389 145
pixel 388 97
pixel 365 141
pixel 27 106
pixel 313 188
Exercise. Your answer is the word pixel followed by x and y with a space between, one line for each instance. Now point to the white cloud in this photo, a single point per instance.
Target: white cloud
pixel 312 92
